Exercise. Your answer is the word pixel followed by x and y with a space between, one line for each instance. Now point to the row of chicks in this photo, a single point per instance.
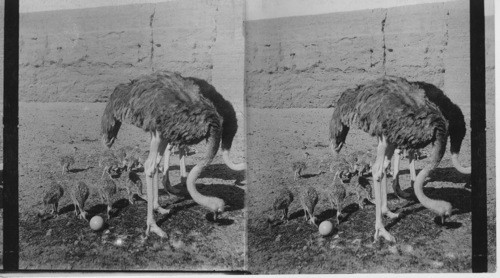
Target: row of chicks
pixel 348 179
pixel 113 163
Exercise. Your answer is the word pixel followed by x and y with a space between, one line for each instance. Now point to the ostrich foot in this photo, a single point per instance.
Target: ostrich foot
pixel 312 220
pixel 83 215
pixel 389 213
pixel 382 232
pixel 161 210
pixel 155 229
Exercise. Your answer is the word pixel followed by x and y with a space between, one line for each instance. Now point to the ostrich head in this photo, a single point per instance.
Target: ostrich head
pixel 443 209
pixel 218 207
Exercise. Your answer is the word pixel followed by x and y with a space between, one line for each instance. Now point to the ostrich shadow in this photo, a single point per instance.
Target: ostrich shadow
pixel 216 171
pixel 448 174
pixel 459 198
pixel 77 170
pixel 234 197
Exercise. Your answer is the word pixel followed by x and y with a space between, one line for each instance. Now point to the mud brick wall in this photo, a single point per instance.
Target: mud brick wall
pixel 81 55
pixel 307 61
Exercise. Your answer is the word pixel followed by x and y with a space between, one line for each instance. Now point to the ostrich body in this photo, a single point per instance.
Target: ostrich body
pixel 173 110
pixel 79 194
pixel 399 115
pixel 107 191
pixel 337 194
pixel 52 196
pixel 228 131
pixel 308 199
pixel 282 202
pixel 67 161
pixel 133 186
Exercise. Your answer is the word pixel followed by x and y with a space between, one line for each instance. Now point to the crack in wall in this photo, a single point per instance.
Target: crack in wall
pixel 383 39
pixel 151 19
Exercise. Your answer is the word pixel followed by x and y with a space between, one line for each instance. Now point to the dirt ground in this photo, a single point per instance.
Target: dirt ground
pixel 49 130
pixel 277 137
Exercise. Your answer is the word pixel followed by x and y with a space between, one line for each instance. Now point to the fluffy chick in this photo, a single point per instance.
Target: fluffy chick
pixel 362 188
pixel 133 186
pixel 106 192
pixel 337 194
pixel 67 161
pixel 282 201
pixel 79 194
pixel 51 198
pixel 308 199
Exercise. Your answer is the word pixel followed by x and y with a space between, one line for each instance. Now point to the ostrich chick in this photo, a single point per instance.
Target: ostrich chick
pixel 133 186
pixel 51 198
pixel 66 161
pixel 282 202
pixel 106 192
pixel 110 164
pixel 308 200
pixel 79 195
pixel 363 190
pixel 299 166
pixel 361 162
pixel 337 194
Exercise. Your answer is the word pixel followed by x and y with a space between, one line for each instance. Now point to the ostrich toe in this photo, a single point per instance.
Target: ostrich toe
pixel 390 214
pixel 382 232
pixel 162 210
pixel 152 227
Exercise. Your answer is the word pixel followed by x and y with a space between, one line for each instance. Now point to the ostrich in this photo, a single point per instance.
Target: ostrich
pixel 282 201
pixel 308 200
pixel 106 192
pixel 337 194
pixel 79 195
pixel 66 161
pixel 175 111
pixel 400 115
pixel 228 130
pixel 51 197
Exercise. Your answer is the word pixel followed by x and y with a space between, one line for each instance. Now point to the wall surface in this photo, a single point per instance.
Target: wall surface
pixel 307 61
pixel 81 55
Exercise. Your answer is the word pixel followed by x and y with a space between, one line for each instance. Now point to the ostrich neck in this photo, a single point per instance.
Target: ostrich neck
pixel 206 201
pixel 434 205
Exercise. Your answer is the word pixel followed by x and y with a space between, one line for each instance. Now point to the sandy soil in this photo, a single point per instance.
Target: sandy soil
pixel 50 130
pixel 277 137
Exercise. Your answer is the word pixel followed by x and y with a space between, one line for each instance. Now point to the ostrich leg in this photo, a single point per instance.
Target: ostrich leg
pixel 378 176
pixel 166 179
pixel 150 169
pixel 156 205
pixel 182 163
pixel 411 159
pixel 395 179
pixel 388 155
